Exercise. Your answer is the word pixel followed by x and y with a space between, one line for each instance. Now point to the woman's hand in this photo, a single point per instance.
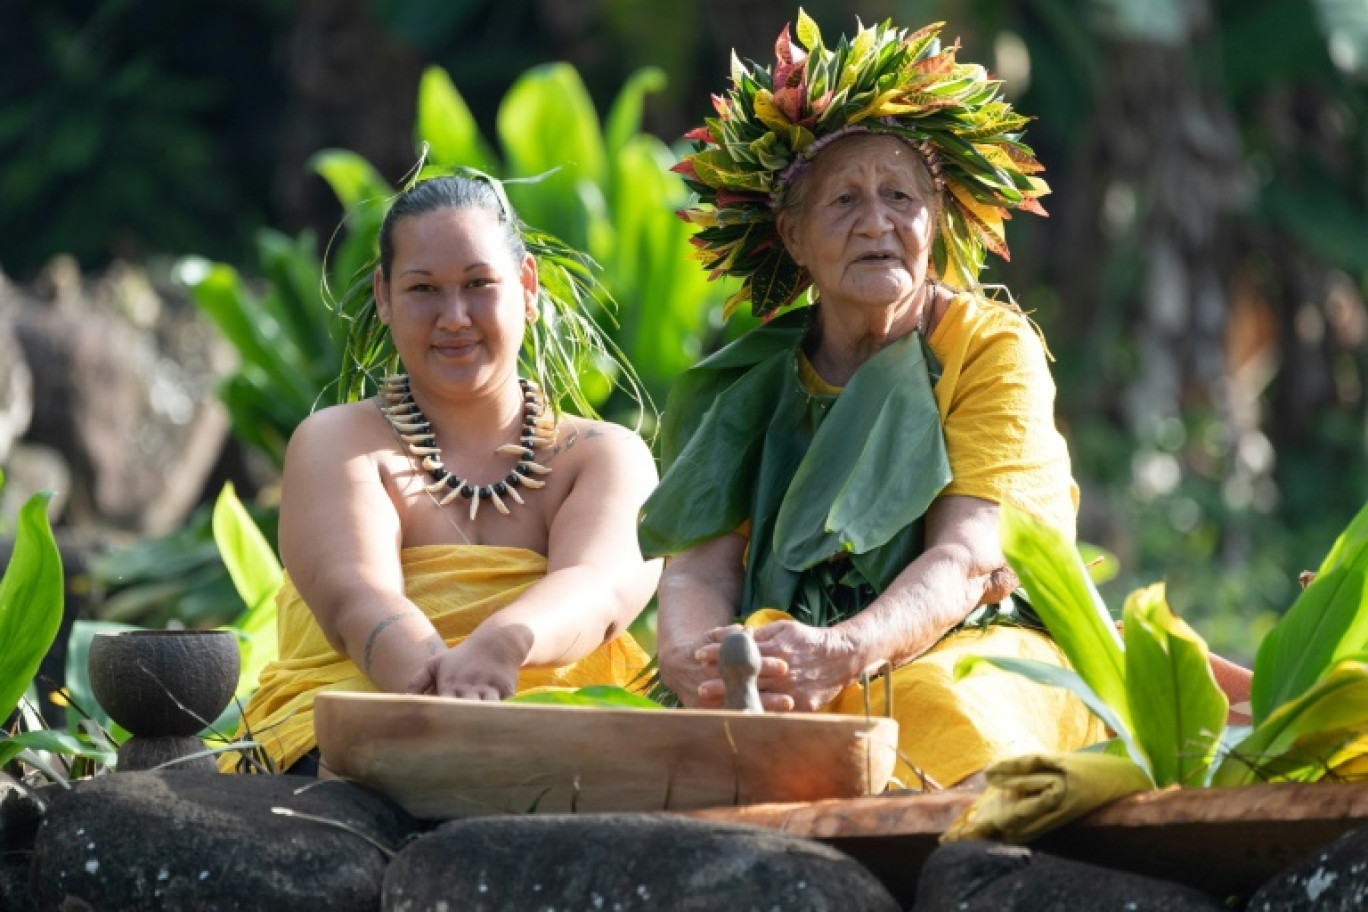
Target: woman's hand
pixel 483 667
pixel 802 668
pixel 690 670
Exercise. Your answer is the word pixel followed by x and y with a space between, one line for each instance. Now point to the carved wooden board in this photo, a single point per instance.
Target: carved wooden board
pixel 440 757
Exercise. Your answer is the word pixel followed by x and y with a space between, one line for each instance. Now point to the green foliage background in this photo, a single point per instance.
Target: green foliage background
pixel 155 130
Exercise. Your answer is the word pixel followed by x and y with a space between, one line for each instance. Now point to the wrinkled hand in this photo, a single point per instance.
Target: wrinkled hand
pixel 818 663
pixel 691 672
pixel 469 670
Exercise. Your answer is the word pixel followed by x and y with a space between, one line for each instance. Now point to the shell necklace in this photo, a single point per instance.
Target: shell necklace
pixel 414 430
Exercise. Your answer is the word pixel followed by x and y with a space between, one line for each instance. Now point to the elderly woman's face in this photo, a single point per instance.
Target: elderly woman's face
pixel 864 222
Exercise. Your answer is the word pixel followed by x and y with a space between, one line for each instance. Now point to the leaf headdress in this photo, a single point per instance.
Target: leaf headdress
pixel 775 119
pixel 561 346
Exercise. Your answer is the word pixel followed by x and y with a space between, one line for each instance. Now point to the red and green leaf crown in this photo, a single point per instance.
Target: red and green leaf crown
pixel 886 80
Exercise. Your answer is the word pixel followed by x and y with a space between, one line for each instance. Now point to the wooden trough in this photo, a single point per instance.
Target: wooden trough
pixel 809 776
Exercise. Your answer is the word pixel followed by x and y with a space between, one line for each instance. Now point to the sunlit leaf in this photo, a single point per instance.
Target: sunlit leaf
pixel 447 126
pixel 1177 710
pixel 31 596
pixel 1327 622
pixel 599 696
pixel 1053 574
pixel 1336 702
pixel 257 575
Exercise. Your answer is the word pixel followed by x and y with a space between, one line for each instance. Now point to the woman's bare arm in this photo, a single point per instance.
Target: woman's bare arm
pixel 340 540
pixel 596 582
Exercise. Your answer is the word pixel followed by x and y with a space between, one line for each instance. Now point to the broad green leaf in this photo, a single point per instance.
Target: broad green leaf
pixel 1056 676
pixel 1337 702
pixel 54 742
pixel 1049 567
pixel 1177 710
pixel 447 126
pixel 600 696
pixel 624 119
pixel 353 179
pixel 257 575
pixel 548 122
pixel 31 595
pixel 1328 621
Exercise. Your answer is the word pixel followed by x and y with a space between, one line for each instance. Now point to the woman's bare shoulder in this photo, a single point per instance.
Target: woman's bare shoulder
pixel 348 428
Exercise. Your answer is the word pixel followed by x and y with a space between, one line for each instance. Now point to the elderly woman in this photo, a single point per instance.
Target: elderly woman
pixel 451 535
pixel 834 476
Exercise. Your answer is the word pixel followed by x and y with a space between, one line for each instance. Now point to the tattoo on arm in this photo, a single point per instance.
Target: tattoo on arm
pixel 569 442
pixel 593 432
pixel 375 635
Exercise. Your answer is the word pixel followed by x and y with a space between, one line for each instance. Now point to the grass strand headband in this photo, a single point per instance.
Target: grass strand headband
pixel 564 342
pixel 775 119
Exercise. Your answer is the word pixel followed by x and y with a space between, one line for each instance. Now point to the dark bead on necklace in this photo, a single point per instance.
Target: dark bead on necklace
pixel 522 469
pixel 512 479
pixel 530 411
pixel 454 482
pixel 467 492
pixel 485 492
pixel 528 443
pixel 500 488
pixel 438 474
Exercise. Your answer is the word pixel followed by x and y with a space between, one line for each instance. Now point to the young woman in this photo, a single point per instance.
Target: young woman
pixel 452 535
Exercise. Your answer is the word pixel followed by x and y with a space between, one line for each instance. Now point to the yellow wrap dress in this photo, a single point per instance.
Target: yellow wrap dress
pixel 457 587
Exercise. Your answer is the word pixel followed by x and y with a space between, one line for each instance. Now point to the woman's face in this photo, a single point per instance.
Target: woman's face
pixel 456 301
pixel 864 221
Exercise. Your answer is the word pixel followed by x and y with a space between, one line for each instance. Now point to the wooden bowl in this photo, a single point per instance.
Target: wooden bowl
pixel 443 757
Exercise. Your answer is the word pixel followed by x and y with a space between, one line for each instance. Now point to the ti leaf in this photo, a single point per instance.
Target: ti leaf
pixel 602 696
pixel 1327 622
pixel 1337 702
pixel 1177 710
pixel 256 574
pixel 30 601
pixel 1062 594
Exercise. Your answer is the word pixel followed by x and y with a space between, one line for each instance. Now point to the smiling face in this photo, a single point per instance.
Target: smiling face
pixel 456 300
pixel 861 221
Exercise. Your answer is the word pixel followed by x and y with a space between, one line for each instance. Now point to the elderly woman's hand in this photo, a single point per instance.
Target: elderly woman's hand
pixel 802 668
pixel 694 675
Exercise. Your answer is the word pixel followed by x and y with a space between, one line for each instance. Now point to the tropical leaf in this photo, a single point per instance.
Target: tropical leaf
pixel 624 118
pixel 1056 676
pixel 1061 593
pixel 257 575
pixel 1336 702
pixel 54 742
pixel 1328 621
pixel 1177 710
pixel 31 595
pixel 602 696
pixel 446 125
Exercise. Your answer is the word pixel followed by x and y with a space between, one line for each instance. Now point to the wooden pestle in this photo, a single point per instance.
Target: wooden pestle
pixel 739 663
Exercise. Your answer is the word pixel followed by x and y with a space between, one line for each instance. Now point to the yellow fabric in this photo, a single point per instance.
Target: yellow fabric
pixel 1031 795
pixel 951 729
pixel 457 586
pixel 994 377
pixel 996 403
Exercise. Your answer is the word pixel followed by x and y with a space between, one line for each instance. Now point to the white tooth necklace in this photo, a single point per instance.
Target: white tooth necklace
pixel 415 432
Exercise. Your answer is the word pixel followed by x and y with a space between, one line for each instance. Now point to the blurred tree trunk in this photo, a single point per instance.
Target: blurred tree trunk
pixel 352 85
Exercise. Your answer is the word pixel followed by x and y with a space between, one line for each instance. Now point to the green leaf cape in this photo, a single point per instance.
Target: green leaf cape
pixel 835 487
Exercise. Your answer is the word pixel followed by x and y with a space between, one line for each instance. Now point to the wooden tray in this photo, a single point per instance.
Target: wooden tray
pixel 441 757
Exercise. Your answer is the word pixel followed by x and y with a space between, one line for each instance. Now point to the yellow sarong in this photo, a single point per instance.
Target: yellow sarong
pixel 457 587
pixel 950 729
